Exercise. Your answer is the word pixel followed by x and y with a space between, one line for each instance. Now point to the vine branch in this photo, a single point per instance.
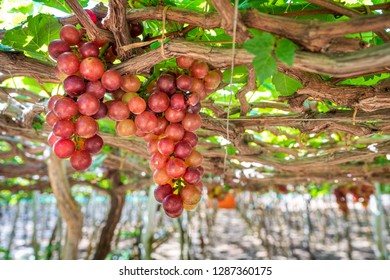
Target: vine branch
pixel 92 30
pixel 343 10
pixel 116 22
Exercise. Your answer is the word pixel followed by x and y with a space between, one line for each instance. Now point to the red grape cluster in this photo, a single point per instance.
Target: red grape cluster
pixel 173 106
pixel 281 189
pixel 360 193
pixel 85 81
pixel 165 113
pixel 341 198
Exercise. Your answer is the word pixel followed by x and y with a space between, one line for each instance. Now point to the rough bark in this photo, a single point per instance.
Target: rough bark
pixel 301 31
pixel 364 98
pixel 117 200
pixel 181 15
pixel 364 62
pixel 362 9
pixel 343 10
pixel 241 94
pixel 313 35
pixel 69 209
pixel 310 35
pixel 92 30
pixel 16 64
pixel 116 22
pixel 226 10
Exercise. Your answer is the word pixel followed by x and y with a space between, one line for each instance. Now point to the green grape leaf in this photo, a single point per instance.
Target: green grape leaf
pixel 285 51
pixel 260 44
pixel 186 4
pixel 314 193
pixel 107 125
pixel 231 150
pixel 248 4
pixel 285 85
pixel 322 107
pixel 240 75
pixel 265 67
pixel 34 37
pixel 61 4
pixel 264 63
pixel 24 9
pixel 38 124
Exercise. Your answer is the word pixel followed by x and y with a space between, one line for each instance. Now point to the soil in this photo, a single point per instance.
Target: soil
pixel 233 239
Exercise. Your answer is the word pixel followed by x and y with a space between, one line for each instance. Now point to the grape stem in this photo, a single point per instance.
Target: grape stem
pixel 178 185
pixel 103 50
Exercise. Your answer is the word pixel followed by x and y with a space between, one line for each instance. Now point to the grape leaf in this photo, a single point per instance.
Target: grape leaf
pixel 240 75
pixel 61 4
pixel 264 63
pixel 27 9
pixel 231 150
pixel 107 125
pixel 38 124
pixel 262 43
pixel 34 38
pixel 186 4
pixel 285 51
pixel 322 108
pixel 265 67
pixel 285 85
pixel 247 4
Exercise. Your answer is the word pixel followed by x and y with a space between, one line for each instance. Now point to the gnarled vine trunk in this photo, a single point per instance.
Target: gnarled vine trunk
pixel 69 209
pixel 117 197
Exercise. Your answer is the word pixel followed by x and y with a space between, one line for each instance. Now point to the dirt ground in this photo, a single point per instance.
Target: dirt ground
pixel 232 239
pixel 242 234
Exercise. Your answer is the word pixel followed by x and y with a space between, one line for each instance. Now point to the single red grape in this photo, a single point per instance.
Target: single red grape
pixel 81 160
pixel 64 148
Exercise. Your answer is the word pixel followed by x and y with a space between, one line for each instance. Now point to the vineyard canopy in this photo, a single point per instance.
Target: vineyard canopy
pixel 304 102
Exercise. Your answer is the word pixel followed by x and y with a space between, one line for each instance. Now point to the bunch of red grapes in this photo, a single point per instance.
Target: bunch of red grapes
pixel 85 81
pixel 165 113
pixel 341 198
pixel 173 107
pixel 360 193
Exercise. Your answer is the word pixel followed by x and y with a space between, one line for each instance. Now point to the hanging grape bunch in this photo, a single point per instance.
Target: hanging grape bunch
pixel 175 103
pixel 341 198
pixel 360 193
pixel 73 116
pixel 165 114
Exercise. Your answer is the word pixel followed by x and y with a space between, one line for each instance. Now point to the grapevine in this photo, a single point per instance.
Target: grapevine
pixel 164 111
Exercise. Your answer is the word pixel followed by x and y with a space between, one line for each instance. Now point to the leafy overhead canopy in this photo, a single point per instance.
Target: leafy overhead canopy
pixel 277 131
pixel 247 4
pixel 185 4
pixel 26 9
pixel 61 4
pixel 34 37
